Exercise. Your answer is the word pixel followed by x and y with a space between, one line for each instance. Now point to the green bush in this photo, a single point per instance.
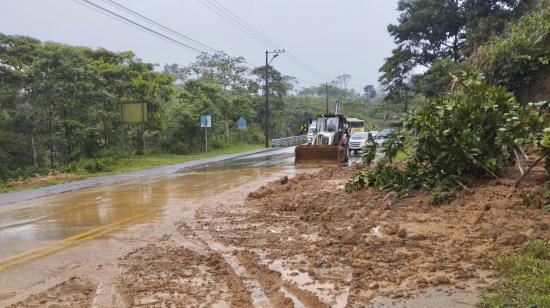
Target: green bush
pixel 466 133
pixel 521 54
pixel 369 152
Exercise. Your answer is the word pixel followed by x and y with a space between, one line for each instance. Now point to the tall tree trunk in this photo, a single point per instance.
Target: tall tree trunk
pixel 456 55
pixel 34 153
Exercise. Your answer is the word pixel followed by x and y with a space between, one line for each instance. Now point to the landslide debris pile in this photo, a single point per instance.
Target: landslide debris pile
pixel 372 244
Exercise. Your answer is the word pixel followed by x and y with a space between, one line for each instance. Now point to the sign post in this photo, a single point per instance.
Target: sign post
pixel 206 122
pixel 135 113
pixel 241 125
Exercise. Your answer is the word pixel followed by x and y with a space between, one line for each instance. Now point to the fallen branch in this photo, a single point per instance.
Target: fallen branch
pixel 523 152
pixel 491 173
pixel 528 170
pixel 466 188
pixel 518 162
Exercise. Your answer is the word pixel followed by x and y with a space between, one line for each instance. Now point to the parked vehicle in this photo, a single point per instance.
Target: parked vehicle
pixel 356 125
pixel 383 135
pixel 357 141
pixel 374 134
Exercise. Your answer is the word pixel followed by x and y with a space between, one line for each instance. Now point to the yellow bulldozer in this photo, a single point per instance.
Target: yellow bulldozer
pixel 328 144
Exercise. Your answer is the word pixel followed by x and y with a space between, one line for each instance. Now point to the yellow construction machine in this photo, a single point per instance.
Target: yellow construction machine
pixel 328 144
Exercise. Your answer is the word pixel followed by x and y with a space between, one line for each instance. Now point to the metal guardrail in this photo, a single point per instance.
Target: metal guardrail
pixel 288 141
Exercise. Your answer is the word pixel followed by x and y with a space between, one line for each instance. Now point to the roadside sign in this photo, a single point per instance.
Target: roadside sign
pixel 371 126
pixel 133 112
pixel 206 121
pixel 241 123
pixel 303 127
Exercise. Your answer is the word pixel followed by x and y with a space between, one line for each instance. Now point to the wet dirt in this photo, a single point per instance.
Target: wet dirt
pixel 283 237
pixel 73 292
pixel 42 179
pixel 370 245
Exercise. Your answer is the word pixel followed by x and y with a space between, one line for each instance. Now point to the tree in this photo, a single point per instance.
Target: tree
pixel 279 87
pixel 342 81
pixel 430 29
pixel 370 91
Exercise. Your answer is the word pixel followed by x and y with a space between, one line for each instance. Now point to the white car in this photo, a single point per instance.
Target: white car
pixel 357 141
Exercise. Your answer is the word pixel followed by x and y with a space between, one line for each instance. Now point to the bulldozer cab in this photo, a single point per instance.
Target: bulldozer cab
pixel 329 143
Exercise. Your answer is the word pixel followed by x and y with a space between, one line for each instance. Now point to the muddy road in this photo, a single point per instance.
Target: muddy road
pixel 69 248
pixel 248 232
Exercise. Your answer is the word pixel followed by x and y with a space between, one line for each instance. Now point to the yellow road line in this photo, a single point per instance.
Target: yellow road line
pixel 44 250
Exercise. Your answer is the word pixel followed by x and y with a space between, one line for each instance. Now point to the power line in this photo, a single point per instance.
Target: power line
pixel 140 26
pixel 244 26
pixel 121 20
pixel 229 18
pixel 219 10
pixel 152 22
pixel 272 43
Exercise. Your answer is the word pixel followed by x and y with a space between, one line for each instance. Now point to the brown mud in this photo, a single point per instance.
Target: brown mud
pixel 369 245
pixel 42 179
pixel 296 241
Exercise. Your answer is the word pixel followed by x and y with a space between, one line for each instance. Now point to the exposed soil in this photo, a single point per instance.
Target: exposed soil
pixel 166 275
pixel 305 242
pixel 42 179
pixel 74 292
pixel 370 244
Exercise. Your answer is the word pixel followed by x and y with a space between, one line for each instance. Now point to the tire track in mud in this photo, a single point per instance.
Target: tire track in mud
pixel 271 282
pixel 246 292
pixel 266 285
pixel 107 293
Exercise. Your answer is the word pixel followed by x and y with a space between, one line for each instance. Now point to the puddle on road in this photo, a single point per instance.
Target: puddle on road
pixel 51 219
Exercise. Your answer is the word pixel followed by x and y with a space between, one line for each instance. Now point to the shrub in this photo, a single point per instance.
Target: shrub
pixel 520 55
pixel 369 152
pixel 473 131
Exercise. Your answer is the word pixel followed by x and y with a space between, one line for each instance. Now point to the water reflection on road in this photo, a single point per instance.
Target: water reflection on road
pixel 77 214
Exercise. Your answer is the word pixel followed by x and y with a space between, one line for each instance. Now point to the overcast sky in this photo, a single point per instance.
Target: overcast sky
pixel 332 37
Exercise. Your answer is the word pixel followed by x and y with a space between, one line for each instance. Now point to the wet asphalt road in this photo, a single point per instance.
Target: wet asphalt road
pixel 23 195
pixel 31 228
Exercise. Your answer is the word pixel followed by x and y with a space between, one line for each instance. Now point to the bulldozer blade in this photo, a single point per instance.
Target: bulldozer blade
pixel 320 154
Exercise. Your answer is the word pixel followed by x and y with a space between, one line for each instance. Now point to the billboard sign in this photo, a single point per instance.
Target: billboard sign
pixel 133 112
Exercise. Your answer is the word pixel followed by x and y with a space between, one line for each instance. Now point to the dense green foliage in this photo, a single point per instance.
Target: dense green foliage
pixel 526 282
pixel 435 38
pixel 521 54
pixel 471 132
pixel 60 102
pixel 59 105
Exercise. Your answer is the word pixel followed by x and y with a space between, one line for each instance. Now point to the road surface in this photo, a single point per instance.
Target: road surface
pixel 59 218
pixel 87 247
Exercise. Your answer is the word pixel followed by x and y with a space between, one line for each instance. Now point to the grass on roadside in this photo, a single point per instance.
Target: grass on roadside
pixel 150 160
pixel 525 278
pixel 124 162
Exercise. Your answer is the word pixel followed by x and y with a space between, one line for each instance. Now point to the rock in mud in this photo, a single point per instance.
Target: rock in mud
pixel 402 233
pixel 389 229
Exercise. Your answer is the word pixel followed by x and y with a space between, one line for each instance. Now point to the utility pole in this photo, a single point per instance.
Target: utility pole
pixel 326 94
pixel 267 62
pixel 266 100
